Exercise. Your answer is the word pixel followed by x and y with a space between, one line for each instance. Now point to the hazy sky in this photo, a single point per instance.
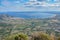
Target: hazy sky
pixel 29 5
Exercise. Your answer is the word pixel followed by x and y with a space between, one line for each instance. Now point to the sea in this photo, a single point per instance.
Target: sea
pixel 31 14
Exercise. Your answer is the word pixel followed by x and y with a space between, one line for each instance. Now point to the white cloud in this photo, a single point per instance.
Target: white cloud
pixel 29 6
pixel 43 4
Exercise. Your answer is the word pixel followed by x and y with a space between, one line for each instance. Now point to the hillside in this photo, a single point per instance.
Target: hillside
pixel 11 25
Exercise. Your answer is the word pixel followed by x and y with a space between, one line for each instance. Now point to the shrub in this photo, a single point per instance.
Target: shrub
pixel 20 36
pixel 40 36
pixel 58 38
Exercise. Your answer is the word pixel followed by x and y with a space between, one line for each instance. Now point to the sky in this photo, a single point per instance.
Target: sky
pixel 29 5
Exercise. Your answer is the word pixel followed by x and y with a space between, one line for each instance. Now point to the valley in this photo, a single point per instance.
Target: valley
pixel 13 25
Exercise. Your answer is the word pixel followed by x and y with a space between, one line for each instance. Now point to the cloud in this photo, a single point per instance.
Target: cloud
pixel 29 6
pixel 43 4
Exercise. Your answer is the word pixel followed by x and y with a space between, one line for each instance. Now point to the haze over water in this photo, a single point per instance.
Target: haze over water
pixel 29 14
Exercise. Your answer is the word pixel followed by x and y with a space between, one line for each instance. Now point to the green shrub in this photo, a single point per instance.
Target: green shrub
pixel 20 36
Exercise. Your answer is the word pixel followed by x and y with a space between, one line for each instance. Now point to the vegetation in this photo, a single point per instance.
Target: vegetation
pixel 20 36
pixel 58 38
pixel 34 36
pixel 41 36
pixel 12 25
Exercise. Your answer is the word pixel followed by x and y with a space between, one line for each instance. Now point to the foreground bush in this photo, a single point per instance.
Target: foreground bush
pixel 58 38
pixel 17 37
pixel 40 36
